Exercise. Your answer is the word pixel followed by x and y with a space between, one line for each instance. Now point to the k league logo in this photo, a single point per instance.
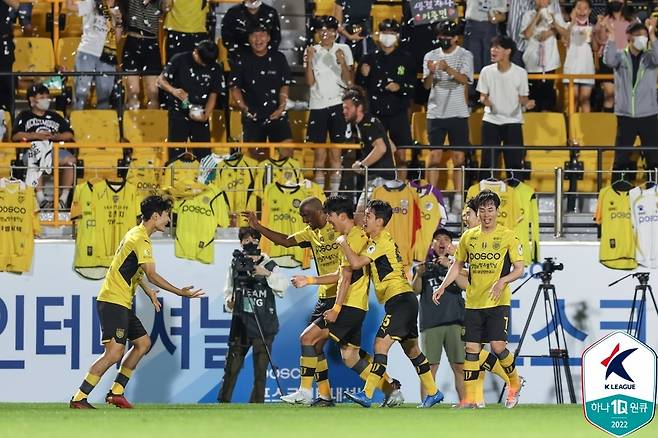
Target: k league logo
pixel 619 384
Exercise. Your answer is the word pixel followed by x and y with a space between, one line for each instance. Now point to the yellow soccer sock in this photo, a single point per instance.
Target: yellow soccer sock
pixel 480 387
pixel 489 362
pixel 423 370
pixel 362 368
pixel 471 374
pixel 120 383
pixel 87 386
pixel 377 370
pixel 322 377
pixel 506 360
pixel 308 362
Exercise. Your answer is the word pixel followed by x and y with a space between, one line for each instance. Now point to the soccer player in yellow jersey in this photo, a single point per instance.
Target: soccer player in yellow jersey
pixel 343 321
pixel 490 250
pixel 133 259
pixel 394 291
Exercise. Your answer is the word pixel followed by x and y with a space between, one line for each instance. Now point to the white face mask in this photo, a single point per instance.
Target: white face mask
pixel 640 42
pixel 388 39
pixel 43 104
pixel 253 5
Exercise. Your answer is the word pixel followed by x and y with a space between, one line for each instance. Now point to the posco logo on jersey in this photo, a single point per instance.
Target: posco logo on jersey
pixel 620 215
pixel 145 185
pixel 645 219
pixel 197 210
pixel 235 183
pixel 5 209
pixel 328 247
pixel 285 217
pixel 484 256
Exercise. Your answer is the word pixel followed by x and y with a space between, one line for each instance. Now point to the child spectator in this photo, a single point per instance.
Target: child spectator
pixel 580 59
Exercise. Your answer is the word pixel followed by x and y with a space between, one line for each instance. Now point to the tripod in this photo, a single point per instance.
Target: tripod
pixel 642 288
pixel 557 347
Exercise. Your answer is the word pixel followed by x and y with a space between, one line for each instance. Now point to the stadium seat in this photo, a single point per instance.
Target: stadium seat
pixel 593 129
pixel 41 12
pixel 419 134
pixel 218 130
pixel 324 7
pixel 235 126
pixel 381 12
pixel 67 48
pixel 544 129
pixel 72 23
pixel 146 125
pixel 6 154
pixel 33 55
pixel 298 121
pixel 97 126
pixel 222 55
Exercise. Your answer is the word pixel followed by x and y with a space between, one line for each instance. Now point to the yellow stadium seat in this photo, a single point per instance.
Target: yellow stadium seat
pixel 41 12
pixel 420 135
pixel 235 126
pixel 6 154
pixel 218 130
pixel 72 23
pixel 143 126
pixel 222 55
pixel 381 12
pixel 67 48
pixel 298 121
pixel 324 7
pixel 34 54
pixel 593 129
pixel 97 126
pixel 544 129
pixel 475 127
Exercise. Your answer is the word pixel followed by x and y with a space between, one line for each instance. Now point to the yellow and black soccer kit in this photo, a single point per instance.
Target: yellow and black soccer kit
pixel 346 330
pixel 618 244
pixel 87 262
pixel 326 253
pixel 114 302
pixel 19 223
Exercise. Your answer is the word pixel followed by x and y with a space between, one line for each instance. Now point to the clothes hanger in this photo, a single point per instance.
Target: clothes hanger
pixel 621 184
pixel 512 181
pixel 491 177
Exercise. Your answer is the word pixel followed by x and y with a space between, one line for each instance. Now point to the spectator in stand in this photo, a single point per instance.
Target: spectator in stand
pixel 195 81
pixel 39 123
pixel 540 26
pixel 389 77
pixel 259 84
pixel 580 59
pixel 328 71
pixel 503 89
pixel 7 9
pixel 97 52
pixel 482 19
pixel 354 26
pixel 448 71
pixel 621 16
pixel 635 89
pixel 141 50
pixel 239 19
pixel 185 24
pixel 517 9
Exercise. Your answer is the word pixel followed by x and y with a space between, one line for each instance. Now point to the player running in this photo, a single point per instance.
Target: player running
pixel 133 259
pixel 394 291
pixel 490 251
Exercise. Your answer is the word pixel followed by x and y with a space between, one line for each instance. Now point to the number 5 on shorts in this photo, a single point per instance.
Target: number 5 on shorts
pixel 386 321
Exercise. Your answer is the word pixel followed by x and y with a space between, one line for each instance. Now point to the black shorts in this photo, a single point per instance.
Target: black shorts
pixel 486 325
pixel 141 54
pixel 118 323
pixel 398 128
pixel 273 131
pixel 347 328
pixel 401 319
pixel 321 306
pixel 326 121
pixel 182 129
pixel 456 128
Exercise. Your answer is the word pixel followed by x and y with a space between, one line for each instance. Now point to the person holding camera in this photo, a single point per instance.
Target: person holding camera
pixel 441 326
pixel 252 284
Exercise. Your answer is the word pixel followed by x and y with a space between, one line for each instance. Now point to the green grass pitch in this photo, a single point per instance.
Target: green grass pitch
pixel 44 420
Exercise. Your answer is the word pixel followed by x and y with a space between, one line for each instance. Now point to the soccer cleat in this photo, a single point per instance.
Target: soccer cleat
pixel 299 397
pixel 513 394
pixel 359 398
pixel 117 400
pixel 323 403
pixel 431 400
pixel 81 404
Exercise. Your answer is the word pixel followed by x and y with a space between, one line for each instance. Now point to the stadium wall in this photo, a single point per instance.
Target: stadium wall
pixel 49 332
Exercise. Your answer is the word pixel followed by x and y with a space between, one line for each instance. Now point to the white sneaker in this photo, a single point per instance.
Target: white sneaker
pixel 513 394
pixel 394 399
pixel 299 397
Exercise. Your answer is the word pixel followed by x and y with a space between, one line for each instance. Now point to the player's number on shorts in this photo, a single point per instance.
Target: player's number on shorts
pixel 506 322
pixel 386 321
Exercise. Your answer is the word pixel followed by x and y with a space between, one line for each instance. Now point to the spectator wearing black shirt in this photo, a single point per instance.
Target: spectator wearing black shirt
pixel 376 158
pixel 239 19
pixel 354 29
pixel 39 123
pixel 259 85
pixel 194 79
pixel 7 10
pixel 441 326
pixel 389 76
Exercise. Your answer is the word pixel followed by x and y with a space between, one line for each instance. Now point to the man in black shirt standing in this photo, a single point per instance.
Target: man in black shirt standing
pixel 389 76
pixel 441 326
pixel 7 9
pixel 354 25
pixel 239 19
pixel 260 80
pixel 377 155
pixel 194 79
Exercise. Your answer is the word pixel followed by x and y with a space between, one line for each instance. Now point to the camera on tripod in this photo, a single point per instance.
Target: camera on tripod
pixel 243 263
pixel 549 266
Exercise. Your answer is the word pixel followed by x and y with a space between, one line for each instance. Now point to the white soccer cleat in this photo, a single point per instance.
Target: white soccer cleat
pixel 513 394
pixel 299 397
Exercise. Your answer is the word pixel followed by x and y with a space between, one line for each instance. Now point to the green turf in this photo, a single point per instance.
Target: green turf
pixel 187 421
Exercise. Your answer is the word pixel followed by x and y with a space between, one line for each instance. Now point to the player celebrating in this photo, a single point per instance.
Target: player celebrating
pixel 394 291
pixel 133 258
pixel 490 250
pixel 344 320
pixel 319 235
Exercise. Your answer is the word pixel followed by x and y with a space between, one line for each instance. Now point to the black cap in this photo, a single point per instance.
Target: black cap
pixel 448 28
pixel 257 27
pixel 37 89
pixel 389 25
pixel 325 21
pixel 444 232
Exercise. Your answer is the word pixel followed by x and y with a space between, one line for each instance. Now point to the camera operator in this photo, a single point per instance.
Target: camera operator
pixel 252 283
pixel 441 326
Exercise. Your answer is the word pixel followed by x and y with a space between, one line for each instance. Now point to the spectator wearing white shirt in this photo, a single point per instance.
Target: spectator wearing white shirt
pixel 101 31
pixel 503 89
pixel 517 9
pixel 446 73
pixel 539 28
pixel 328 71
